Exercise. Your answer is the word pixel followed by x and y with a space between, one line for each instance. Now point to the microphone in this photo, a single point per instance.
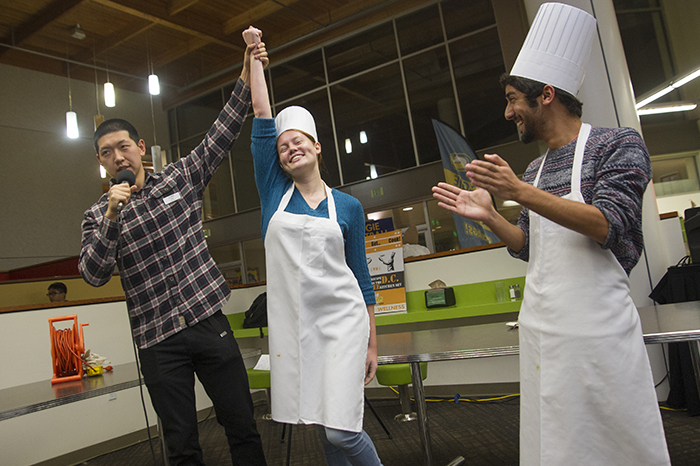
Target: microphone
pixel 125 176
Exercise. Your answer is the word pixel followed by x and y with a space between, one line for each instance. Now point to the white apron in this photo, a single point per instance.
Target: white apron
pixel 587 393
pixel 317 321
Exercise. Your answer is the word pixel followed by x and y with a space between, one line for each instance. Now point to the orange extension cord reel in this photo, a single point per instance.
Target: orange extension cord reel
pixel 67 348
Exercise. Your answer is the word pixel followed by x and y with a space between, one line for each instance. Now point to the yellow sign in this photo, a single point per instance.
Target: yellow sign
pixel 385 262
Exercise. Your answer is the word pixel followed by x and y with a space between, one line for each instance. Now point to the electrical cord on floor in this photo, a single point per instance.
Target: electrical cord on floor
pixel 457 398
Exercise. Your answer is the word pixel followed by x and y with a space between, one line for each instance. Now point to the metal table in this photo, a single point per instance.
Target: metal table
pixel 37 396
pixel 660 324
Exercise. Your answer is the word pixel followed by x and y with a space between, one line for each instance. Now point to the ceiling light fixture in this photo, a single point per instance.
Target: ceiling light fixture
pixel 348 146
pixel 110 96
pixel 71 117
pixel 670 107
pixel 78 33
pixel 662 90
pixel 363 137
pixel 153 84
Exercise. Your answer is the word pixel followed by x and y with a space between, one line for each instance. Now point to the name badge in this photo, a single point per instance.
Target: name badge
pixel 172 198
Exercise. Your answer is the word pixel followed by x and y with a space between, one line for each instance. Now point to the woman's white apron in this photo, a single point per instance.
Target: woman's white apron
pixel 317 321
pixel 587 393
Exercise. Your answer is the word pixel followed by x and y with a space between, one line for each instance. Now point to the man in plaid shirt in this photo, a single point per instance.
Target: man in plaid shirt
pixel 174 291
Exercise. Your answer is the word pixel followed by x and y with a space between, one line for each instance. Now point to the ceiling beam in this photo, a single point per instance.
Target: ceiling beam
pixel 113 40
pixel 49 13
pixel 176 6
pixel 180 51
pixel 252 15
pixel 160 16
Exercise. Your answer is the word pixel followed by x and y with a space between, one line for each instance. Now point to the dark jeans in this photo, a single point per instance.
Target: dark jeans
pixel 209 349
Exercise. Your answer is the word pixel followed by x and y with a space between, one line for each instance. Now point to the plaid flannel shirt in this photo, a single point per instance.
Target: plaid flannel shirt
pixel 167 274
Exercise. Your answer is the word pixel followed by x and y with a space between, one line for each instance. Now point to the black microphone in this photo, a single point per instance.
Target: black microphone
pixel 125 176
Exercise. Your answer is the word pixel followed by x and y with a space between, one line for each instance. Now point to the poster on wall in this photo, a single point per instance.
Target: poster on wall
pixel 385 263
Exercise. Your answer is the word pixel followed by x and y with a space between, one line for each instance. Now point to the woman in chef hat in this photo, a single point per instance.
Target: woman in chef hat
pixel 320 299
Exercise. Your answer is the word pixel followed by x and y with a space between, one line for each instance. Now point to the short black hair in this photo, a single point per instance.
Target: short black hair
pixel 533 89
pixel 58 286
pixel 111 126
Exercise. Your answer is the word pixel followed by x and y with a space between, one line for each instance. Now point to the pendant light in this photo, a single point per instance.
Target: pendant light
pixel 71 117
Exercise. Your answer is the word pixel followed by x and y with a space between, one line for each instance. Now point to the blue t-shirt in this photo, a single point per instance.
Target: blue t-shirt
pixel 272 183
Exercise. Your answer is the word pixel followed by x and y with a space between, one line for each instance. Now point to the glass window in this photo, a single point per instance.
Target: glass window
pixel 196 117
pixel 644 41
pixel 419 30
pixel 431 96
pixel 243 170
pixel 675 174
pixel 218 197
pixel 478 63
pixel 254 254
pixel 317 104
pixel 442 226
pixel 298 76
pixel 411 216
pixel 228 260
pixel 372 108
pixel 361 52
pixel 464 17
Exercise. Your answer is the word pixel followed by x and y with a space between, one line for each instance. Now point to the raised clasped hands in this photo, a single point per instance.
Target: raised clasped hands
pixel 255 46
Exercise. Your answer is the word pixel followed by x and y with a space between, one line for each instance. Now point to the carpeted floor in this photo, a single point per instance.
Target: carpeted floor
pixel 485 434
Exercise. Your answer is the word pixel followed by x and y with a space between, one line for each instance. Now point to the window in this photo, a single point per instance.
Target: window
pixel 442 227
pixel 373 102
pixel 427 21
pixel 228 260
pixel 431 96
pixel 298 76
pixel 361 52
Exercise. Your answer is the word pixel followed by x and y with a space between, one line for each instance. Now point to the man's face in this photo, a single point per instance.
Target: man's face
pixel 56 296
pixel 117 152
pixel 528 119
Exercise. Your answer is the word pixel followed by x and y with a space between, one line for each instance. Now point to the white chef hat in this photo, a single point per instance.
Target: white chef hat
pixel 297 118
pixel 557 47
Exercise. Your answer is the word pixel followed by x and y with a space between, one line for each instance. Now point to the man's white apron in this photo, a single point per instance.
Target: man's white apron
pixel 587 391
pixel 317 321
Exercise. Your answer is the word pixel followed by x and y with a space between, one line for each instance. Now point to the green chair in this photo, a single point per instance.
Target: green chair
pixel 400 375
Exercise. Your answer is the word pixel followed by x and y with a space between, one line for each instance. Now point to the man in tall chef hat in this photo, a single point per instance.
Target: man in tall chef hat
pixel 587 393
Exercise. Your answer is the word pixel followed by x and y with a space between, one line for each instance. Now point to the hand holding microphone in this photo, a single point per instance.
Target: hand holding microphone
pixel 118 190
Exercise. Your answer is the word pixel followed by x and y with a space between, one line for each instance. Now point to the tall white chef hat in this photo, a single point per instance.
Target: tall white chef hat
pixel 297 118
pixel 557 47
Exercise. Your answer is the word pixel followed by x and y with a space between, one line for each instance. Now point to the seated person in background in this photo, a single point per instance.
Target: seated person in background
pixel 411 248
pixel 57 292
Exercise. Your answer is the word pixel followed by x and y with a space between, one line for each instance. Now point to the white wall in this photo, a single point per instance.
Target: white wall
pixel 47 181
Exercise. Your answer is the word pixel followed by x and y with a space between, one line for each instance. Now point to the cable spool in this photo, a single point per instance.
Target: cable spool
pixel 67 348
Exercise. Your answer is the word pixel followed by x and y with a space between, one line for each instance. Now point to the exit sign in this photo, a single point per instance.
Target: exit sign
pixel 377 192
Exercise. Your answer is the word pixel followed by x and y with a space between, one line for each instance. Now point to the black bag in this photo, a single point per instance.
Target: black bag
pixel 256 315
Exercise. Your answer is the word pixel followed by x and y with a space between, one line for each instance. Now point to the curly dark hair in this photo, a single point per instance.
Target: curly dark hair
pixel 533 89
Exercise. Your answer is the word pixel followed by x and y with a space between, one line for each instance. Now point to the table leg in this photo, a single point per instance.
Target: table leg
pixel 421 411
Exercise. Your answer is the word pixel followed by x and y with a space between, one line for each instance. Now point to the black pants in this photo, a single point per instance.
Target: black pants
pixel 209 349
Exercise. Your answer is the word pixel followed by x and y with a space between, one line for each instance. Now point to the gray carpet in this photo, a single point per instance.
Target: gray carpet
pixel 486 434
